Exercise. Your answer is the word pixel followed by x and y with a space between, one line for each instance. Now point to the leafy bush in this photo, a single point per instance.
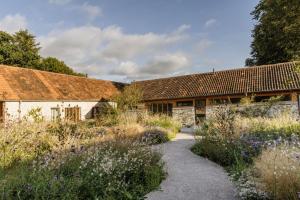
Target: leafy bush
pixel 164 122
pixel 155 136
pixel 108 116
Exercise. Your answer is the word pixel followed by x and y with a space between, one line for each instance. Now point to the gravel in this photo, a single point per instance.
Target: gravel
pixel 191 177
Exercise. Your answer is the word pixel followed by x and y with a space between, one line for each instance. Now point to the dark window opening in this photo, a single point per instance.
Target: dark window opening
pixel 184 103
pixel 235 100
pixel 161 108
pixel 220 101
pixel 266 98
pixel 200 103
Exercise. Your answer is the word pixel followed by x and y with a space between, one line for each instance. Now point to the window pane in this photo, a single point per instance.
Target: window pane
pixel 154 108
pixel 160 108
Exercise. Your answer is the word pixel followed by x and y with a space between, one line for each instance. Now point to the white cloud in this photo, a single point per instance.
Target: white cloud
pixel 13 23
pixel 91 11
pixel 59 2
pixel 97 51
pixel 203 45
pixel 158 66
pixel 210 23
pixel 166 64
pixel 126 68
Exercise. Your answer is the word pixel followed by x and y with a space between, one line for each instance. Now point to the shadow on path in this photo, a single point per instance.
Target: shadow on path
pixel 191 177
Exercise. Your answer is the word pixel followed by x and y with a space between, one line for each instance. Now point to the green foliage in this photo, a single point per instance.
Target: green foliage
pixel 130 97
pixel 114 170
pixel 168 124
pixel 65 160
pixel 22 50
pixel 19 49
pixel 276 36
pixel 109 116
pixel 51 64
pixel 35 114
pixel 258 152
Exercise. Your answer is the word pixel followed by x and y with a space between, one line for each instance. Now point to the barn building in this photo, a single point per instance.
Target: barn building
pixel 190 98
pixel 57 95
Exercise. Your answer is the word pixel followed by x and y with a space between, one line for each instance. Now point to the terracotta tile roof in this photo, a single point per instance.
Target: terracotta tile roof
pixel 266 78
pixel 28 84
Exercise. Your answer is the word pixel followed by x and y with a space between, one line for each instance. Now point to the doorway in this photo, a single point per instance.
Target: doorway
pixel 200 110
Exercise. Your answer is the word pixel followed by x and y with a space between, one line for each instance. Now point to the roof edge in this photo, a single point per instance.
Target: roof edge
pixel 233 69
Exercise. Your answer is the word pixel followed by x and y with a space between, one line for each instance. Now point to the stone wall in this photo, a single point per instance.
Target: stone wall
pixel 276 109
pixel 185 115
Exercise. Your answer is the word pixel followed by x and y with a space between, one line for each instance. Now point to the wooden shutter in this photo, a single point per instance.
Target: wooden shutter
pixel 73 114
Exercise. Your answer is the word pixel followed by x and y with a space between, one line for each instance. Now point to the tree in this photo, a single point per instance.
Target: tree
pixel 54 65
pixel 22 50
pixel 28 49
pixel 9 53
pixel 276 36
pixel 130 97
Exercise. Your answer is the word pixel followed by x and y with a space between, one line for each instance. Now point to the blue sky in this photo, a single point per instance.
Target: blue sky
pixel 126 40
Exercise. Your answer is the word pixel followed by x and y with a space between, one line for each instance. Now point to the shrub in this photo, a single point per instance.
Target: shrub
pixel 155 136
pixel 108 116
pixel 279 172
pixel 119 167
pixel 164 122
pixel 250 149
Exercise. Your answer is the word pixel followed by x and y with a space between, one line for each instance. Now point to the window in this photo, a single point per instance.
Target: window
pixel 201 103
pixel 184 103
pixel 164 108
pixel 219 101
pixel 73 114
pixel 55 114
pixel 235 100
pixel 266 98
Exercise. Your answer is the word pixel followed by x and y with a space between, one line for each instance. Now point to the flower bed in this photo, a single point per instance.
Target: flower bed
pixel 262 155
pixel 105 159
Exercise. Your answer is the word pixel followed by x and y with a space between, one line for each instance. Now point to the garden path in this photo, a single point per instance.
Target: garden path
pixel 191 177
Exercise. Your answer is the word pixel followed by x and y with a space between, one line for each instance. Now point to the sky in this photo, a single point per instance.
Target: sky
pixel 127 40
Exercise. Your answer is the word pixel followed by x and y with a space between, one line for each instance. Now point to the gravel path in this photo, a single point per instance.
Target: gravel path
pixel 191 177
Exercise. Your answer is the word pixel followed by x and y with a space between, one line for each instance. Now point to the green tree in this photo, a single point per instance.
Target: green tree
pixel 130 97
pixel 276 36
pixel 28 49
pixel 22 50
pixel 9 53
pixel 54 65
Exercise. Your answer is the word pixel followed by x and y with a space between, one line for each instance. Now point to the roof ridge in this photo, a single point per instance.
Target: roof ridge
pixel 233 69
pixel 38 70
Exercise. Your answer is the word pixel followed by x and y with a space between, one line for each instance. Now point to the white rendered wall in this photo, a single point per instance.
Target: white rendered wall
pixel 17 110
